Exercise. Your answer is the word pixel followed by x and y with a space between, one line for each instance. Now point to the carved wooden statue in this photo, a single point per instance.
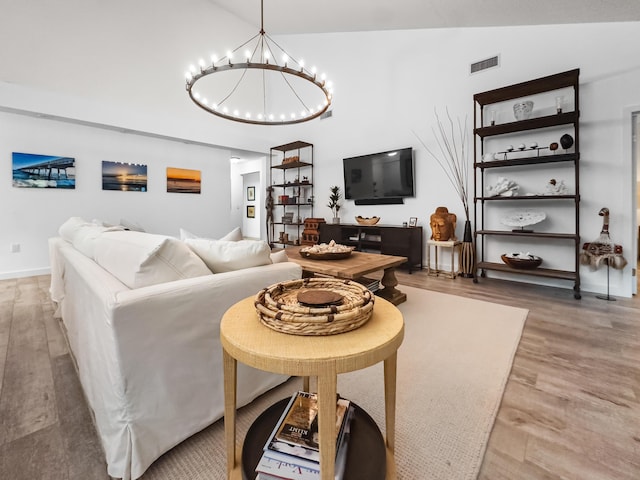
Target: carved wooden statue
pixel 443 225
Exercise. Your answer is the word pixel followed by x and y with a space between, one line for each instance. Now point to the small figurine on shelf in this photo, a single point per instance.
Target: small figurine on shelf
pixel 503 187
pixel 334 202
pixel 555 187
pixel 269 215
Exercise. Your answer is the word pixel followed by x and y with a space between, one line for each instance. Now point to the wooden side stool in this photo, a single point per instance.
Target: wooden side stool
pixel 454 245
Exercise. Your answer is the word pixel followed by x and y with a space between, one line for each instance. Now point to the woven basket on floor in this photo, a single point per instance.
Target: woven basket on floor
pixel 279 309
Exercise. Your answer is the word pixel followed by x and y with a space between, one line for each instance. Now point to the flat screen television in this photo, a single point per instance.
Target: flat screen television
pixel 379 178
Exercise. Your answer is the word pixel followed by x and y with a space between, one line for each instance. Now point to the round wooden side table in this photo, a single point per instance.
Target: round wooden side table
pixel 245 339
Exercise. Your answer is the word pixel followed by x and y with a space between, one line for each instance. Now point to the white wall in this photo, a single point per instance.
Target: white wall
pixel 30 216
pixel 386 85
pixel 389 83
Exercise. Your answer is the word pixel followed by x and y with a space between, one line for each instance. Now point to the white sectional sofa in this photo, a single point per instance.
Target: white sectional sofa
pixel 142 315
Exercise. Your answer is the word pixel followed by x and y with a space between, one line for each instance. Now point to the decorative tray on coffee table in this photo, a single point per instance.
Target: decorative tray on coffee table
pixel 326 251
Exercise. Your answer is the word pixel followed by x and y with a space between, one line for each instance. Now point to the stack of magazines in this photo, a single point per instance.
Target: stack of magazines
pixel 370 283
pixel 292 449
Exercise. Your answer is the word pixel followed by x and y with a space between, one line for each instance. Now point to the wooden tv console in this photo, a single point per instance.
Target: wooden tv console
pixel 388 240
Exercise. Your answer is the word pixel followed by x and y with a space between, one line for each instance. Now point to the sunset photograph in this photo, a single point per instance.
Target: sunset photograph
pixel 126 177
pixel 182 180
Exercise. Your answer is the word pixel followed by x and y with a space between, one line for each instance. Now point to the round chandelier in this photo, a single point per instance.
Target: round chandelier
pixel 266 86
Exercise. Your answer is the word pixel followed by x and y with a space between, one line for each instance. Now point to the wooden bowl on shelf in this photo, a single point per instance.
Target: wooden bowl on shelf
pixel 521 261
pixel 367 220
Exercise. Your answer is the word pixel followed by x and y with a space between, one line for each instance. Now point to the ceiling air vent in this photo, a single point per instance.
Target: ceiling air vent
pixel 484 64
pixel 326 114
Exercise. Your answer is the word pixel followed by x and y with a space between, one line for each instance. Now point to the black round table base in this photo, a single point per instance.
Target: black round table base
pixel 366 454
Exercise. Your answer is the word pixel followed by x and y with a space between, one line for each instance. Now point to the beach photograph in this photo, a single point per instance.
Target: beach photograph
pixel 182 180
pixel 43 171
pixel 126 177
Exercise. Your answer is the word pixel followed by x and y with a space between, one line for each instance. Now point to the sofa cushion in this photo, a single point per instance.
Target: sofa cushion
pixel 140 259
pixel 226 256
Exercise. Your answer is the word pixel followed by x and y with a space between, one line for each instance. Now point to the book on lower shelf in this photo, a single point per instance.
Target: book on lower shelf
pixel 292 450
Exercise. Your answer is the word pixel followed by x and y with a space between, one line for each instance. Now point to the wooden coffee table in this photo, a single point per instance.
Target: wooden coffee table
pixel 357 265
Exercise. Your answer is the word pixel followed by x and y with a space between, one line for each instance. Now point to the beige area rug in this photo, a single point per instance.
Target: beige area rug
pixel 452 370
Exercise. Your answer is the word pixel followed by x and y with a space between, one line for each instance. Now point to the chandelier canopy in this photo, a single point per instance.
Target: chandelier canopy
pixel 266 86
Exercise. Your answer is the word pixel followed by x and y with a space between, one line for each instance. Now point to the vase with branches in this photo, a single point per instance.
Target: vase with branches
pixel 334 202
pixel 452 140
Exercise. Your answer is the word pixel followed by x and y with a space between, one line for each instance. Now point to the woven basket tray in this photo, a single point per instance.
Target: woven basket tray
pixel 278 307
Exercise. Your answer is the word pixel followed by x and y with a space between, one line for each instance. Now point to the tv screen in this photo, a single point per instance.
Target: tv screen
pixel 385 177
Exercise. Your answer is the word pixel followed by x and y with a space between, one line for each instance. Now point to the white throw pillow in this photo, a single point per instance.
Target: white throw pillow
pixel 86 235
pixel 226 256
pixel 234 235
pixel 134 227
pixel 69 229
pixel 141 259
pixel 279 257
pixel 184 234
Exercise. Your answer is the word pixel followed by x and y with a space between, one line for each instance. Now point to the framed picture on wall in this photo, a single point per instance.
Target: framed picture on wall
pixel 413 221
pixel 43 171
pixel 126 177
pixel 251 211
pixel 182 180
pixel 251 194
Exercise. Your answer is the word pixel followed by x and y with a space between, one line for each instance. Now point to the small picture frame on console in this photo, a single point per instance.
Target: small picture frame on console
pixel 413 221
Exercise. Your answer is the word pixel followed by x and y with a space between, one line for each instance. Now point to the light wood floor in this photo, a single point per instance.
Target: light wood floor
pixel 571 409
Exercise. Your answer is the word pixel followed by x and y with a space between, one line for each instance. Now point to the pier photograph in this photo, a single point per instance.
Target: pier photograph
pixel 43 171
pixel 126 177
pixel 182 180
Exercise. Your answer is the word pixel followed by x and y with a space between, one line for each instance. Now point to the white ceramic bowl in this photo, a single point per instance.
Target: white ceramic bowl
pixel 522 110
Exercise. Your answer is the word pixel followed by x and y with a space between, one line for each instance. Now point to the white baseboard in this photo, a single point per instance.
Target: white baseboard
pixel 25 273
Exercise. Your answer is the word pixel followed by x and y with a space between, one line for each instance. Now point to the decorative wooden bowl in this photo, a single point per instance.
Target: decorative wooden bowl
pixel 331 251
pixel 521 262
pixel 367 220
pixel 325 256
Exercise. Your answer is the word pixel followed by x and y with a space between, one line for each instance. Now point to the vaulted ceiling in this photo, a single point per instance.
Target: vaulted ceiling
pixel 299 16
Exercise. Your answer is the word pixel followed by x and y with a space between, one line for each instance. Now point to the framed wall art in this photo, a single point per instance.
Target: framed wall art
pixel 126 177
pixel 182 180
pixel 251 211
pixel 251 194
pixel 43 171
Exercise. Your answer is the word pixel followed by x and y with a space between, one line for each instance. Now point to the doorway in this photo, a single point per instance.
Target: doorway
pixel 251 213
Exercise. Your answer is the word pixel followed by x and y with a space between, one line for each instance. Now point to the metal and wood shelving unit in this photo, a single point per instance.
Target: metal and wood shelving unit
pixel 291 178
pixel 526 162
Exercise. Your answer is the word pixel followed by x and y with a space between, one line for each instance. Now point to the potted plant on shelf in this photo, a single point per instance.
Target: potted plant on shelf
pixel 334 202
pixel 453 149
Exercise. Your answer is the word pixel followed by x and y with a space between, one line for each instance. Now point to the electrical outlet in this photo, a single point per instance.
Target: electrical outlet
pixel 15 248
